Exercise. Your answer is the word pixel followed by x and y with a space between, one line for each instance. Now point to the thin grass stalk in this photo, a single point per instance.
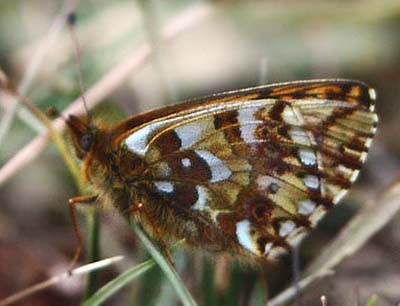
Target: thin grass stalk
pixel 91 216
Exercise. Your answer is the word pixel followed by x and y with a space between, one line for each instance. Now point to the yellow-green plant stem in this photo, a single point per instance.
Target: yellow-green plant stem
pixel 91 216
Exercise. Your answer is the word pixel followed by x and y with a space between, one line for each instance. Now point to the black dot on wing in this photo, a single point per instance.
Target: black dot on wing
pixel 284 131
pixel 273 188
pixel 261 242
pixel 276 111
pixel 259 211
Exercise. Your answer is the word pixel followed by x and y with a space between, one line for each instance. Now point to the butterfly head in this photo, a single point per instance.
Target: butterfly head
pixel 83 135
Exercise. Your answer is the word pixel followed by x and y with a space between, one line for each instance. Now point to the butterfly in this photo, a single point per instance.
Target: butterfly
pixel 247 172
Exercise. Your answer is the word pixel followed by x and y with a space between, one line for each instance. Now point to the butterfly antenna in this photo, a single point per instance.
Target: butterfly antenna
pixel 53 113
pixel 71 20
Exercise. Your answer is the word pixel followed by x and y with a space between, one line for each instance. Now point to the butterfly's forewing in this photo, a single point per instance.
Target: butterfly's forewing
pixel 261 165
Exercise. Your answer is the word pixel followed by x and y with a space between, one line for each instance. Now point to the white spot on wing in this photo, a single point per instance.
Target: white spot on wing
pixel 306 207
pixel 307 157
pixel 268 247
pixel 339 196
pixel 244 237
pixel 344 170
pixel 354 176
pixel 264 181
pixel 246 116
pixel 202 197
pixel 372 94
pixel 286 228
pixel 137 142
pixel 300 137
pixel 296 236
pixel 363 156
pixel 289 116
pixel 318 213
pixel 311 181
pixel 186 162
pixel 189 134
pixel 164 186
pixel 219 171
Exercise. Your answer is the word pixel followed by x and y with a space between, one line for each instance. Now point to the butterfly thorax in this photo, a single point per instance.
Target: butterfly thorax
pixel 101 168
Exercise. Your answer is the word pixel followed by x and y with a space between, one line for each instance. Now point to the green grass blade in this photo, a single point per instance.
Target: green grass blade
pixel 150 287
pixel 372 300
pixel 117 283
pixel 169 271
pixel 208 288
pixel 93 252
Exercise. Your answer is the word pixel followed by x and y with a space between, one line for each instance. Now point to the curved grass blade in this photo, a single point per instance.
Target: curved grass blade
pixel 149 291
pixel 125 278
pixel 93 250
pixel 117 283
pixel 82 270
pixel 372 300
pixel 169 271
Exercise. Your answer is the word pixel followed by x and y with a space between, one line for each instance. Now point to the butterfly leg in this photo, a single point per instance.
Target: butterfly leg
pixel 164 248
pixel 85 200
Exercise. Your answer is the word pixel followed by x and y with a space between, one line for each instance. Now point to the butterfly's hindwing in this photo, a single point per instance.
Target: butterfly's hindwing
pixel 262 165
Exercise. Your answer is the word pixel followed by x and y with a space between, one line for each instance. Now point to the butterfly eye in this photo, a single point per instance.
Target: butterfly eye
pixel 86 142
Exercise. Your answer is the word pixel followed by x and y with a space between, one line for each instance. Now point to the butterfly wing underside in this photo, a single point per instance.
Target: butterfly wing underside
pixel 262 165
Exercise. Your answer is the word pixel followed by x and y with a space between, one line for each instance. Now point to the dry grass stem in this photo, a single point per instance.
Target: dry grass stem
pixel 377 212
pixel 291 292
pixel 361 228
pixel 83 270
pixel 34 65
pixel 104 87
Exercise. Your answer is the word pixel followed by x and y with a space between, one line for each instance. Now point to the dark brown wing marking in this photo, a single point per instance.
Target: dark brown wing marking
pixel 262 164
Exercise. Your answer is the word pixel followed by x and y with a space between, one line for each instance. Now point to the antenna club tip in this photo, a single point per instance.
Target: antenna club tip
pixel 52 112
pixel 71 18
pixel 6 84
